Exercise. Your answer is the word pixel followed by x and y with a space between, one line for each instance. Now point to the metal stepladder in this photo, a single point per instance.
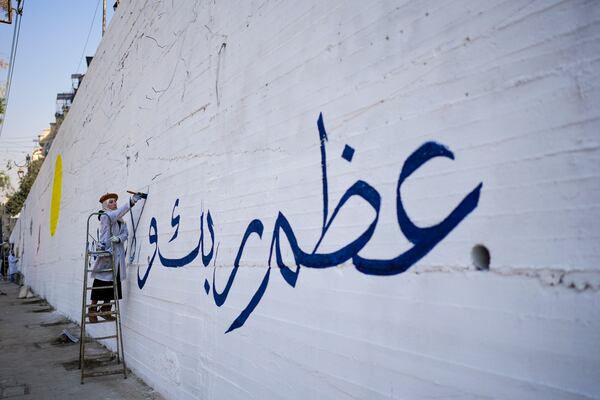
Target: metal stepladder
pixel 92 250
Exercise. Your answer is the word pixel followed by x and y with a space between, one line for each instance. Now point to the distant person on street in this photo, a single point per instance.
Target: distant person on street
pixel 113 234
pixel 12 266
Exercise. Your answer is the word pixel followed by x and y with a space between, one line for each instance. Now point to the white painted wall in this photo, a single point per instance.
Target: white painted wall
pixel 512 88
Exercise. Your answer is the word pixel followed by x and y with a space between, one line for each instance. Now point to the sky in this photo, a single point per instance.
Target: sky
pixel 51 42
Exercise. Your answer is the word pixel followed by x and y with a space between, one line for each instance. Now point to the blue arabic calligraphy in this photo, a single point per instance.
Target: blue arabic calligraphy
pixel 422 239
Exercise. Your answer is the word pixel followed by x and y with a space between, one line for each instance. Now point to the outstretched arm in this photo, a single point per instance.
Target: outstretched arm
pixel 119 212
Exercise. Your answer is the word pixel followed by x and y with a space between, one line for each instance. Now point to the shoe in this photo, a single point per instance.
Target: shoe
pixel 106 309
pixel 93 318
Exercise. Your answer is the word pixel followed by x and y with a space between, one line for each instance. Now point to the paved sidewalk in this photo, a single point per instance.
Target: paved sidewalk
pixel 36 364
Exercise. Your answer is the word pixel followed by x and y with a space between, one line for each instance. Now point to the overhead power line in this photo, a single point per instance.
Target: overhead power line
pixel 88 36
pixel 13 57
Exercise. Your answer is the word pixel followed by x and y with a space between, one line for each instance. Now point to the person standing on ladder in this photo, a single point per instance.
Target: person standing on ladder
pixel 113 234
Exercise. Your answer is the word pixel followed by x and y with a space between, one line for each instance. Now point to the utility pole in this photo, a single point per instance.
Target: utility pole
pixel 103 17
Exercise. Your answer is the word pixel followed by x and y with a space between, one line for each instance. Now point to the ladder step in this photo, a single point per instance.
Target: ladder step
pixel 100 314
pixel 106 357
pixel 99 287
pixel 100 321
pixel 91 339
pixel 100 304
pixel 98 253
pixel 102 373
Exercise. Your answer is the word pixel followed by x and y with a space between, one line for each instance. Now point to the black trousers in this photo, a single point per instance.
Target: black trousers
pixel 106 294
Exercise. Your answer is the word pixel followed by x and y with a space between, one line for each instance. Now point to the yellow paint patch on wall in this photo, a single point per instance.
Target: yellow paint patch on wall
pixel 56 191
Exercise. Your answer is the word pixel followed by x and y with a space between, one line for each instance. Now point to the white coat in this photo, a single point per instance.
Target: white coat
pixel 110 227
